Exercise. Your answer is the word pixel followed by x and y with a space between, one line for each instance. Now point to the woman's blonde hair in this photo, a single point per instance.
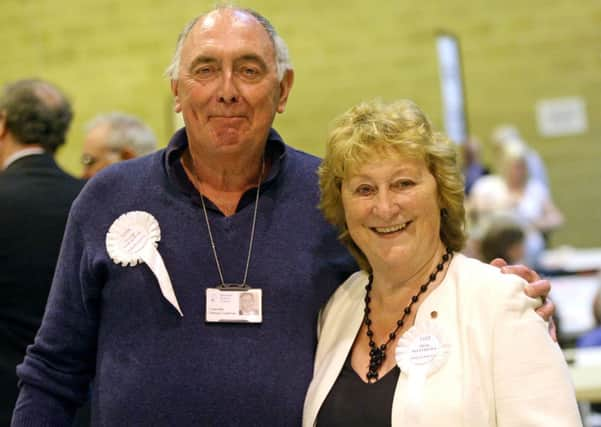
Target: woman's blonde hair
pixel 373 130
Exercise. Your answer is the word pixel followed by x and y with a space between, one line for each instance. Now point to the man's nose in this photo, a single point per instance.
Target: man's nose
pixel 228 91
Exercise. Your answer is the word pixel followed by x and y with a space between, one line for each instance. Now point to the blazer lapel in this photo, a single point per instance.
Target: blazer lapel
pixel 334 346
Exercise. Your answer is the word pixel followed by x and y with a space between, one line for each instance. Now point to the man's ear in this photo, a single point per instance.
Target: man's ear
pixel 285 88
pixel 127 153
pixel 175 91
pixel 2 123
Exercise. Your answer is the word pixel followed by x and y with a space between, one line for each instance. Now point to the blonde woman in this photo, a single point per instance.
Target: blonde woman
pixel 422 335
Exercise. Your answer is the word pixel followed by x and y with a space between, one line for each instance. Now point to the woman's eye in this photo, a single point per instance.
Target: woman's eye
pixel 404 183
pixel 364 190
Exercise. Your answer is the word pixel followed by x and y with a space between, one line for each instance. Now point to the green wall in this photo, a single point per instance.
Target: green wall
pixel 110 55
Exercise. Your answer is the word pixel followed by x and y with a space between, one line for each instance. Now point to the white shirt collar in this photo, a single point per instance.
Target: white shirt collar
pixel 20 154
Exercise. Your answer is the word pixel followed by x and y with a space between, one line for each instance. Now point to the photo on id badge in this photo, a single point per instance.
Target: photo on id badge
pixel 234 306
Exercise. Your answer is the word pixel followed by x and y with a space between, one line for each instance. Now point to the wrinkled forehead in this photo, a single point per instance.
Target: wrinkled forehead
pixel 228 35
pixel 231 24
pixel 231 17
pixel 361 156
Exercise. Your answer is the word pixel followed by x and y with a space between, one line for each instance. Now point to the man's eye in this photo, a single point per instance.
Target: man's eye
pixel 250 72
pixel 203 71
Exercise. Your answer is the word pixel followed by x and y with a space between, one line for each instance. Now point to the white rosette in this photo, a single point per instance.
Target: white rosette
pixel 420 352
pixel 133 238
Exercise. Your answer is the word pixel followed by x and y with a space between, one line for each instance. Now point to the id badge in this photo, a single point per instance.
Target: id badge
pixel 243 305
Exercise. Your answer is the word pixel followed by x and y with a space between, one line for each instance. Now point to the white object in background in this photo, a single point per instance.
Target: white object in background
pixel 451 84
pixel 573 297
pixel 572 259
pixel 561 116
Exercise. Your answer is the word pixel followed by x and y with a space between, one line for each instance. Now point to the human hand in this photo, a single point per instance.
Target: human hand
pixel 536 288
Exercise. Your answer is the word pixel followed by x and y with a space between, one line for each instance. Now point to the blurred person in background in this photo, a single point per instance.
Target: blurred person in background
pixel 114 137
pixel 503 238
pixel 472 166
pixel 593 338
pixel 506 134
pixel 513 192
pixel 36 195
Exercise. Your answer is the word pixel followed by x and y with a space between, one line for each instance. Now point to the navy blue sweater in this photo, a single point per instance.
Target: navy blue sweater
pixel 150 367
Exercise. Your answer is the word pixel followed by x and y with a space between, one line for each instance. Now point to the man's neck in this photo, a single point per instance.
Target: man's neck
pixel 224 181
pixel 18 151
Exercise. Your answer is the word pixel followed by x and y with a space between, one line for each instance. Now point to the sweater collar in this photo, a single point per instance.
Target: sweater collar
pixel 275 148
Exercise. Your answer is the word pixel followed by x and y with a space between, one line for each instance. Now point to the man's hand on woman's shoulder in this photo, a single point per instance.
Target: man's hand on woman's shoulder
pixel 536 288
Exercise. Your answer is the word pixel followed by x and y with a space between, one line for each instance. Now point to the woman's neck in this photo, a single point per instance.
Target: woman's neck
pixel 395 286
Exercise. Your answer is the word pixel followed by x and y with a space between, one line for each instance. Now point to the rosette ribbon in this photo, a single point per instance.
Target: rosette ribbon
pixel 133 238
pixel 420 352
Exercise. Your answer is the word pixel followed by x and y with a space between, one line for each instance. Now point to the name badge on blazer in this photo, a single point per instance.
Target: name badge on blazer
pixel 420 352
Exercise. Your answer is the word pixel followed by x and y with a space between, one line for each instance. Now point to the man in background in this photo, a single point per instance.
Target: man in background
pixel 36 195
pixel 113 137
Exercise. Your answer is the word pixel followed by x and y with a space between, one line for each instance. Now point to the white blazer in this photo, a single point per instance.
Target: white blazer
pixel 502 367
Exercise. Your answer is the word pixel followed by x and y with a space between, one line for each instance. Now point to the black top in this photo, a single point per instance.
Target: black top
pixel 352 402
pixel 35 197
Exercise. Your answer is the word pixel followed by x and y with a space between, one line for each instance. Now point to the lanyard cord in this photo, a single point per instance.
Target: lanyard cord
pixel 252 231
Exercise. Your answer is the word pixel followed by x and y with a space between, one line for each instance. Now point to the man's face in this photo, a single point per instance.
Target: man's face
pixel 96 154
pixel 247 302
pixel 3 132
pixel 227 88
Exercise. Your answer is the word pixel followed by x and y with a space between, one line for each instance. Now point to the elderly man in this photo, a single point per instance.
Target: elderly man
pixel 35 194
pixel 113 137
pixel 157 249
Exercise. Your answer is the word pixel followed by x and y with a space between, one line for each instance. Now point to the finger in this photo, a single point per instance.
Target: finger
pixel 524 272
pixel 553 329
pixel 538 288
pixel 498 262
pixel 546 310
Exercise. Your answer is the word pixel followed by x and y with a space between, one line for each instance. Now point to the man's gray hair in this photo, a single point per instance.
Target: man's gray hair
pixel 125 131
pixel 282 57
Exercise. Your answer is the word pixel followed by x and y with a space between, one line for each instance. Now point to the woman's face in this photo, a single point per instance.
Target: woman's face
pixel 516 173
pixel 392 211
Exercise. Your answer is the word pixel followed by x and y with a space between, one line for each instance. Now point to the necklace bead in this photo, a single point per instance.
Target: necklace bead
pixel 377 355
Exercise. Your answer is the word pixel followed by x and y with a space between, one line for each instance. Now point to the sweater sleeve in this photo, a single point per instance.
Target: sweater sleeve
pixel 532 385
pixel 55 374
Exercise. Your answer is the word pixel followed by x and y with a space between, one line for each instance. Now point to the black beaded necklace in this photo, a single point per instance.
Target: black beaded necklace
pixel 378 354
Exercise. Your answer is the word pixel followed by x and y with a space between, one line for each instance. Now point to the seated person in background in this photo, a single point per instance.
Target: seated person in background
pixel 472 166
pixel 593 338
pixel 503 238
pixel 113 137
pixel 506 134
pixel 423 335
pixel 514 193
